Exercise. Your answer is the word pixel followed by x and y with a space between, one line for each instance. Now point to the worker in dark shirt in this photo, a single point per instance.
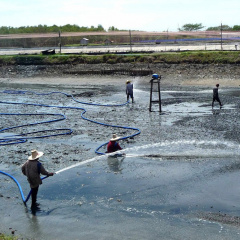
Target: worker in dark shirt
pixel 113 145
pixel 215 96
pixel 32 168
pixel 129 90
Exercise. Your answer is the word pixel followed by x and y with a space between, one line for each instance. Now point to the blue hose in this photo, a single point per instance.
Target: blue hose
pixel 19 186
pixel 15 180
pixel 21 138
pixel 29 194
pixel 11 140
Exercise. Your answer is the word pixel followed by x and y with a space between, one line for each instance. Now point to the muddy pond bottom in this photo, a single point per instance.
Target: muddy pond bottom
pixel 178 179
pixel 154 191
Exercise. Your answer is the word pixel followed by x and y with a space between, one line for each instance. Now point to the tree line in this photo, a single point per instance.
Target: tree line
pixel 199 26
pixel 75 28
pixel 53 29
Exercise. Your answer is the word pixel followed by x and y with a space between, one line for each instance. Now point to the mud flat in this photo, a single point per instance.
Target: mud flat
pixel 179 178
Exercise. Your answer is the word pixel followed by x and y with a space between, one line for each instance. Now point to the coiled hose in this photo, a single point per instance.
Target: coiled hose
pixel 21 138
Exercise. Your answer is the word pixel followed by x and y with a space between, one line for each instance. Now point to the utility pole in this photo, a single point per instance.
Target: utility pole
pixel 60 43
pixel 130 40
pixel 221 37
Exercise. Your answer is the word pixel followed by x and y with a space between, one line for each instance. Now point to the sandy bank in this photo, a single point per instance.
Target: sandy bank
pixel 227 75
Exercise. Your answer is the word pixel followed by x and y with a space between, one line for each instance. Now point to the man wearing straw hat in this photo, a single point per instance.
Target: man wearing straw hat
pixel 32 169
pixel 113 145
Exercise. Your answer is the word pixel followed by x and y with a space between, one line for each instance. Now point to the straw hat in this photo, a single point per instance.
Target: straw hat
pixel 35 155
pixel 128 81
pixel 114 137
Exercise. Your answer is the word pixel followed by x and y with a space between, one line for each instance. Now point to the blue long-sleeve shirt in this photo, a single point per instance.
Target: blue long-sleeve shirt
pixel 129 88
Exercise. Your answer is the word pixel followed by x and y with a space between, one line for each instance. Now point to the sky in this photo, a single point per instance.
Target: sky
pixel 142 15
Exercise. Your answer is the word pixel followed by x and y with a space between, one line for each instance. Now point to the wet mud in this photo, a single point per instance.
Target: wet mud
pixel 178 180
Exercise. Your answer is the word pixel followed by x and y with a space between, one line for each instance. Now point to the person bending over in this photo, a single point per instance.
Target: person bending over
pixel 113 145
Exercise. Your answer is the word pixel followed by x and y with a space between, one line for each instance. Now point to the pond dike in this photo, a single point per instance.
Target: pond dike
pixel 182 71
pixel 123 71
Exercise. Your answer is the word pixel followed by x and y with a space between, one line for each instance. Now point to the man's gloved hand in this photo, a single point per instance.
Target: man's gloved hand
pixel 50 174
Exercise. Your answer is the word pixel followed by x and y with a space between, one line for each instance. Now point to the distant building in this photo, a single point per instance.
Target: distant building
pixel 84 41
pixel 108 42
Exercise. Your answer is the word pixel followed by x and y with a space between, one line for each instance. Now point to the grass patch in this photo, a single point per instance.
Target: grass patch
pixel 5 237
pixel 193 57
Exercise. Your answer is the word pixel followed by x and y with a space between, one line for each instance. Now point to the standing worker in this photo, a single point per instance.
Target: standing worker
pixel 215 96
pixel 113 145
pixel 32 169
pixel 129 90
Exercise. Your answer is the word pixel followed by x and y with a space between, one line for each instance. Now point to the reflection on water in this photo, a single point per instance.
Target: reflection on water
pixel 33 225
pixel 115 162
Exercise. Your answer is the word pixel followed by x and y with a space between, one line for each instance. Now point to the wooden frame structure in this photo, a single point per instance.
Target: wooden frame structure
pixel 155 81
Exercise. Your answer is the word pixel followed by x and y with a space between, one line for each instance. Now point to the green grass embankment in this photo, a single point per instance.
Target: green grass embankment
pixel 191 57
pixel 5 237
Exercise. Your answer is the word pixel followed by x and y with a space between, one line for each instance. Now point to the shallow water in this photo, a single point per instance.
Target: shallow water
pixel 178 180
pixel 140 195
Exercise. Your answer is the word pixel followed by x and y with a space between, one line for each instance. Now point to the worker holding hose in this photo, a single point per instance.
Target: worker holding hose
pixel 32 168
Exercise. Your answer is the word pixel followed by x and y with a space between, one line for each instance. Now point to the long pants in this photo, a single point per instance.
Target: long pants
pixel 216 99
pixel 131 95
pixel 34 195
